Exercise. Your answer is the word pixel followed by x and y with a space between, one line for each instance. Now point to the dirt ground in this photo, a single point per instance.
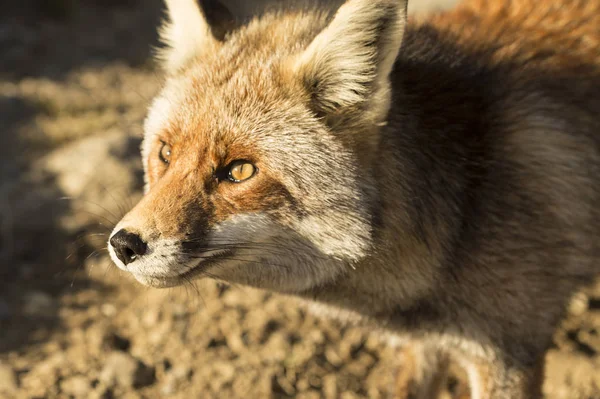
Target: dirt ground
pixel 75 80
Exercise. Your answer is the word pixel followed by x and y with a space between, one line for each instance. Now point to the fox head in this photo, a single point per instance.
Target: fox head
pixel 257 152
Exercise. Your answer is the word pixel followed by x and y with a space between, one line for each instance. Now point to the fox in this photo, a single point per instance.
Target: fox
pixel 434 178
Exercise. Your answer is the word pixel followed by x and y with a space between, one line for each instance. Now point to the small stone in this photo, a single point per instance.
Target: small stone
pixel 185 372
pixel 357 369
pixel 77 386
pixel 351 343
pixel 113 341
pixel 126 371
pixel 108 309
pixel 101 392
pixel 313 394
pixel 330 386
pixel 225 371
pixel 302 384
pixel 169 388
pixel 578 304
pixel 179 311
pixel 9 383
pixel 280 385
pixel 151 317
pixel 222 373
pixel 333 357
pixel 52 364
pixel 174 379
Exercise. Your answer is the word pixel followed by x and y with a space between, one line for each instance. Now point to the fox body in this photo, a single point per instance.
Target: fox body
pixel 433 178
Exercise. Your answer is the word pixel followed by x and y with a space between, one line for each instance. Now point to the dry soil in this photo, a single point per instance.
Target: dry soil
pixel 75 80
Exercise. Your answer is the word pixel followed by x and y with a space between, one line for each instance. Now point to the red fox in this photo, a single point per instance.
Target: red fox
pixel 437 179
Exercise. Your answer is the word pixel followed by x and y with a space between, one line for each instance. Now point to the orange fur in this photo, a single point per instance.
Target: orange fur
pixel 547 34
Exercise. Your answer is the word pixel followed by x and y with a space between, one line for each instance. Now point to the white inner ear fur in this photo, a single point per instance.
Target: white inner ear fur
pixel 185 32
pixel 353 56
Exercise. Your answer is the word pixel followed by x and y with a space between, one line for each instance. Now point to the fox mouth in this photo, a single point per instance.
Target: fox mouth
pixel 199 269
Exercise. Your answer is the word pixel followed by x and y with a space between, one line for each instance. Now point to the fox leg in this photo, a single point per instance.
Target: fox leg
pixel 424 374
pixel 429 374
pixel 493 380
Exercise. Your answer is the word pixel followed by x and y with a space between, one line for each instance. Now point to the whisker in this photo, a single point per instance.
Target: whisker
pixel 107 267
pixel 239 247
pixel 251 245
pixel 73 253
pixel 190 282
pixel 284 253
pixel 109 221
pixel 95 252
pixel 88 235
pixel 241 243
pixel 80 242
pixel 103 186
pixel 94 264
pixel 75 200
pixel 217 278
pixel 119 205
pixel 95 234
pixel 243 260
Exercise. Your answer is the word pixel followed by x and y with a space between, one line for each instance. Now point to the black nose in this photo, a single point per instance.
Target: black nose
pixel 128 246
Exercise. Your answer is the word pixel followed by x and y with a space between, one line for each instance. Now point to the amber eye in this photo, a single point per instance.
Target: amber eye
pixel 165 153
pixel 241 170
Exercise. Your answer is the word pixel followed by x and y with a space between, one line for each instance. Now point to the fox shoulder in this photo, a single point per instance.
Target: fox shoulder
pixel 548 33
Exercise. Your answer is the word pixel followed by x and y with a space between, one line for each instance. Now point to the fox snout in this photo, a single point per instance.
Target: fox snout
pixel 164 235
pixel 128 246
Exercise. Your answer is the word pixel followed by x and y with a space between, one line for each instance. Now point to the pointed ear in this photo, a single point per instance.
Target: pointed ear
pixel 349 62
pixel 192 26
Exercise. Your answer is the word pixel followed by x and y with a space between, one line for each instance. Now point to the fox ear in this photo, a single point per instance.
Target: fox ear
pixel 192 26
pixel 349 62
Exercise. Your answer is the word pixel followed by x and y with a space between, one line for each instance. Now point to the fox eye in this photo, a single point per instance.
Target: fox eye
pixel 165 153
pixel 240 171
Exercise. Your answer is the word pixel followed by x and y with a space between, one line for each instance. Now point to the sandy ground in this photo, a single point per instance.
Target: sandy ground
pixel 75 80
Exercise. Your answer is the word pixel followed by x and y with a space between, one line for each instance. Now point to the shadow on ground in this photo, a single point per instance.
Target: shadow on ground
pixel 53 37
pixel 39 252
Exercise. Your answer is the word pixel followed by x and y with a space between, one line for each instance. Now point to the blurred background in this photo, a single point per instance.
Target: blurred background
pixel 76 77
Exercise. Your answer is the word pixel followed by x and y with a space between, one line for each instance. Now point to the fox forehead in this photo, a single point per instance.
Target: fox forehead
pixel 220 121
pixel 246 74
